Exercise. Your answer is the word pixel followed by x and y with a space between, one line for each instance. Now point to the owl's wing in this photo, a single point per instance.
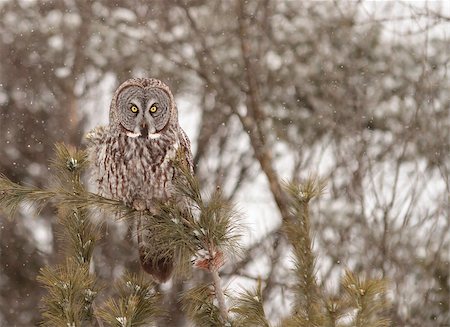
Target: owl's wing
pixel 95 141
pixel 96 136
pixel 185 151
pixel 95 147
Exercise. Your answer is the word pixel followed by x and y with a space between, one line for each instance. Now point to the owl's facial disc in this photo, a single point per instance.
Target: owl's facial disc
pixel 143 112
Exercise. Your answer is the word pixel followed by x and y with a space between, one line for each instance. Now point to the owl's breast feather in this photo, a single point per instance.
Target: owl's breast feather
pixel 130 169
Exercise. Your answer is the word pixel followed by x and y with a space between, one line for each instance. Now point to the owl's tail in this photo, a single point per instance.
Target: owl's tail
pixel 160 268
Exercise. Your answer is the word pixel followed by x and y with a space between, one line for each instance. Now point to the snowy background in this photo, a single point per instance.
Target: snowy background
pixel 357 92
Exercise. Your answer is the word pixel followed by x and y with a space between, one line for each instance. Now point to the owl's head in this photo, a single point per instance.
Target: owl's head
pixel 143 107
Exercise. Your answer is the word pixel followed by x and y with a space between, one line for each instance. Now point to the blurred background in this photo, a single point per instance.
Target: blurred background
pixel 267 90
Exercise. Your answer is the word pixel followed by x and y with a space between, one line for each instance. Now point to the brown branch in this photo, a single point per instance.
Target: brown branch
pixel 255 116
pixel 274 259
pixel 219 295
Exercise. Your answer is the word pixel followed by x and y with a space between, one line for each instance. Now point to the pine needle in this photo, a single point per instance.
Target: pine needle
pixel 193 229
pixel 335 311
pixel 68 165
pixel 311 188
pixel 137 305
pixel 248 307
pixel 67 191
pixel 79 234
pixel 71 291
pixel 12 195
pixel 367 296
pixel 298 230
pixel 198 305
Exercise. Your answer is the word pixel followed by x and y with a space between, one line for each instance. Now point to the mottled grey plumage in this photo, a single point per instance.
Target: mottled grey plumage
pixel 133 157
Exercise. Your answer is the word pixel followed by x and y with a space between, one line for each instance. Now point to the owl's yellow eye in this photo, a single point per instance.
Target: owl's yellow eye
pixel 153 109
pixel 134 109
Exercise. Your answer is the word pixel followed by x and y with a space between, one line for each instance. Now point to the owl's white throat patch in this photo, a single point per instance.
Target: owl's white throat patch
pixel 134 135
pixel 152 136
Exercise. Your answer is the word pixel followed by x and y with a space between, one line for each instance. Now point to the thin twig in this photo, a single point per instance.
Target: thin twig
pixel 99 320
pixel 219 295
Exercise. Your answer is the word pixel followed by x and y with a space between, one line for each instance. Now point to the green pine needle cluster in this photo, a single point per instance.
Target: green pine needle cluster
pixel 195 231
pixel 71 292
pixel 137 304
pixel 12 195
pixel 71 288
pixel 335 310
pixel 368 297
pixel 79 234
pixel 198 303
pixel 66 189
pixel 249 310
pixel 68 166
pixel 298 232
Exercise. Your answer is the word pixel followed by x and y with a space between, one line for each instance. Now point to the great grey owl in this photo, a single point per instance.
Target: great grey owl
pixel 133 157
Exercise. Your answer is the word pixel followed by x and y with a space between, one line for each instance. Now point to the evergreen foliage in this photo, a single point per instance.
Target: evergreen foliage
pixel 204 234
pixel 137 304
pixel 198 303
pixel 298 232
pixel 200 234
pixel 265 85
pixel 72 288
pixel 249 309
pixel 367 296
pixel 71 292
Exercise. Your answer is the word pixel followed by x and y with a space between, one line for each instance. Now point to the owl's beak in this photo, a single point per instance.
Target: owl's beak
pixel 144 129
pixel 148 130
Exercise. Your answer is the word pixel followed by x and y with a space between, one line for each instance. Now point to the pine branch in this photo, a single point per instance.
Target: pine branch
pixel 367 296
pixel 195 230
pixel 86 200
pixel 216 231
pixel 335 311
pixel 12 195
pixel 68 165
pixel 218 292
pixel 249 309
pixel 198 304
pixel 71 288
pixel 298 230
pixel 138 304
pixel 79 234
pixel 71 292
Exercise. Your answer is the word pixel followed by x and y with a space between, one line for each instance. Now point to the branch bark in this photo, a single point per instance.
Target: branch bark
pixel 219 295
pixel 252 122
